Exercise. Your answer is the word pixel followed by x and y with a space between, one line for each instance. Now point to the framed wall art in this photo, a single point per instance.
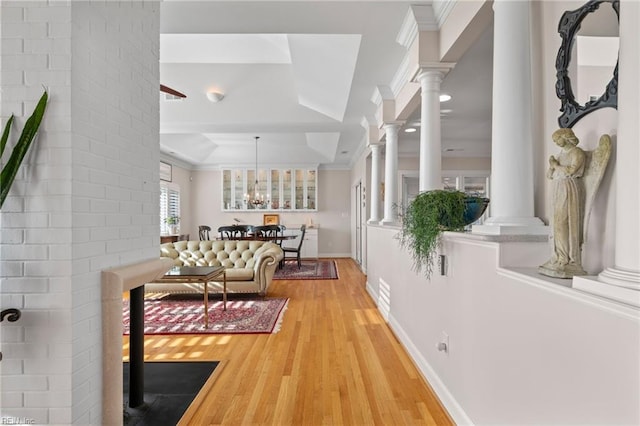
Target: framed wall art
pixel 271 219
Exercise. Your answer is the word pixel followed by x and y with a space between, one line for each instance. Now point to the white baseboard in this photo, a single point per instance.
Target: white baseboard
pixel 372 293
pixel 450 403
pixel 334 254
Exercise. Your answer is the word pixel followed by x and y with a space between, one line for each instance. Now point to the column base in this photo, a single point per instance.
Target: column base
pixel 511 226
pixel 389 222
pixel 595 285
pixel 373 221
pixel 621 278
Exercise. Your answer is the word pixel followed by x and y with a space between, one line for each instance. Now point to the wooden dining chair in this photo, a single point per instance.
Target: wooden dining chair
pixel 267 231
pixel 295 250
pixel 203 232
pixel 234 231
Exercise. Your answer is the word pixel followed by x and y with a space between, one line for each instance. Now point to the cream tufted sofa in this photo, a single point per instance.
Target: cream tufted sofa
pixel 250 265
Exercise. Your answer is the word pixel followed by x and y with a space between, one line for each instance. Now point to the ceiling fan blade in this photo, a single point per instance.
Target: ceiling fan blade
pixel 171 91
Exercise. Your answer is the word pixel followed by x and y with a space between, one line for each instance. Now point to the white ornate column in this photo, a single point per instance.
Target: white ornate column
pixel 512 178
pixel 430 136
pixel 390 174
pixel 375 184
pixel 622 281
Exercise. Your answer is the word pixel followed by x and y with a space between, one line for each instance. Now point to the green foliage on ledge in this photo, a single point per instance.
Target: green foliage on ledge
pixel 427 216
pixel 10 169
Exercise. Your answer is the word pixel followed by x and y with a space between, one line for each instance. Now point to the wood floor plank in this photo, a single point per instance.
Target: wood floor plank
pixel 335 361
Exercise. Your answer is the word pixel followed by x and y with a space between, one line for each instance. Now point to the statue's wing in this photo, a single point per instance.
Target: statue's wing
pixel 596 164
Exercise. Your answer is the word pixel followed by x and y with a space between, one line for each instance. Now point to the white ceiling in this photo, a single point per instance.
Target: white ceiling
pixel 301 76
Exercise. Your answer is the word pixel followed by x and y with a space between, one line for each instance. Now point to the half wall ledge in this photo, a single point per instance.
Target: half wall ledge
pixel 115 281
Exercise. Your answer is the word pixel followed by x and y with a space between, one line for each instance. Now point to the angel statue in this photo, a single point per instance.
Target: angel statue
pixel 576 175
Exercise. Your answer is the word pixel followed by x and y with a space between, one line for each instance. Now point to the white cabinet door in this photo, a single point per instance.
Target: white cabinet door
pixel 310 244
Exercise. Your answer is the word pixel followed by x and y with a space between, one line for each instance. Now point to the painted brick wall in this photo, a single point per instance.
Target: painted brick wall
pixel 86 197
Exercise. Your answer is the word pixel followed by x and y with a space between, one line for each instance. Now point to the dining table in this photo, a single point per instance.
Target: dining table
pixel 260 238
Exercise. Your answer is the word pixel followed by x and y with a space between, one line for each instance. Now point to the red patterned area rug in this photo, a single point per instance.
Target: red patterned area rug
pixel 186 316
pixel 309 270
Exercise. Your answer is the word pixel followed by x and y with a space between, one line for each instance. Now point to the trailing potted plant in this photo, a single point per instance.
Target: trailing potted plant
pixel 428 215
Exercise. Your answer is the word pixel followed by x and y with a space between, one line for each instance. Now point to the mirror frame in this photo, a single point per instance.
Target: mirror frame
pixel 568 26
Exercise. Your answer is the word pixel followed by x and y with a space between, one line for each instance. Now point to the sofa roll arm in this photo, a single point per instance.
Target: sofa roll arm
pixel 265 267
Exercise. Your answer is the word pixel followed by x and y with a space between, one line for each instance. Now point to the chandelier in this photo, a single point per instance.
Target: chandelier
pixel 256 199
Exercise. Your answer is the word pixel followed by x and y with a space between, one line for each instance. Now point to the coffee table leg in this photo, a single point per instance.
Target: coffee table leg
pixel 206 304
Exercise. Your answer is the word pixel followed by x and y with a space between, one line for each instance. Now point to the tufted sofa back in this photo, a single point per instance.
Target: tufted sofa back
pixel 228 253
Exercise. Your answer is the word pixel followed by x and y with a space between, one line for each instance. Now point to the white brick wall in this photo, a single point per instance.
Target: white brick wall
pixel 84 200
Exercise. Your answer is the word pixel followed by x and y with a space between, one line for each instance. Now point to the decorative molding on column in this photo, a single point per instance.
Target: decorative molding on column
pixel 424 67
pixel 621 278
pixel 615 284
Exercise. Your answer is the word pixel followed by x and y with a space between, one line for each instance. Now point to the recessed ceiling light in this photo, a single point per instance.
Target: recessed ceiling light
pixel 446 111
pixel 410 129
pixel 444 97
pixel 215 96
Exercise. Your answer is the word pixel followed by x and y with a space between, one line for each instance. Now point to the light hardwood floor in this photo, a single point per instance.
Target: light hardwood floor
pixel 334 362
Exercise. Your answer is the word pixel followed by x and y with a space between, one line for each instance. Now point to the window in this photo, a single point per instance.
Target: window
pixel 474 182
pixel 169 208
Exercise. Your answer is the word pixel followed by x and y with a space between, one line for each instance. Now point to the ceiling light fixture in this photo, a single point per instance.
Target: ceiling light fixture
pixel 256 199
pixel 444 97
pixel 214 96
pixel 410 130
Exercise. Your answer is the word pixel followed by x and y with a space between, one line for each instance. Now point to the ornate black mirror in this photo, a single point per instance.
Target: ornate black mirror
pixel 569 26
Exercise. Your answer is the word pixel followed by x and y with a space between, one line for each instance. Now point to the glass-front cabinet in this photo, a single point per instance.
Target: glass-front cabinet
pixel 286 190
pixel 277 189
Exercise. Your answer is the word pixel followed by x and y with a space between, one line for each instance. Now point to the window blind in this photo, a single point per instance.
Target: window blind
pixel 169 206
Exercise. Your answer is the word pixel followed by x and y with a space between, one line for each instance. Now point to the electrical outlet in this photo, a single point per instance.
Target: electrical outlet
pixel 443 345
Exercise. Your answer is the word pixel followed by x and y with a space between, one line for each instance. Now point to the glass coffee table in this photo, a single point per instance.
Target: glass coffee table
pixel 198 274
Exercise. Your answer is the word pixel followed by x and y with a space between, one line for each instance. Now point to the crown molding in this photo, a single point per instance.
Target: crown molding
pixel 174 161
pixel 442 9
pixel 402 76
pixel 418 18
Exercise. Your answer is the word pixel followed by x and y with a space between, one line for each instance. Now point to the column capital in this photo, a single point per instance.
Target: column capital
pixel 392 125
pixel 432 69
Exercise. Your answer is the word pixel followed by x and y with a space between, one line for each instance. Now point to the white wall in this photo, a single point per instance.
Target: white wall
pixel 333 215
pixel 86 198
pixel 521 350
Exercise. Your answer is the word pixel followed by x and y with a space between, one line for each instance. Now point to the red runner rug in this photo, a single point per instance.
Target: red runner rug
pixel 309 270
pixel 186 316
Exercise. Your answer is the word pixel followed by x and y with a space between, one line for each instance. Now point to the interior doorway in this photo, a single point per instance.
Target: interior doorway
pixel 358 203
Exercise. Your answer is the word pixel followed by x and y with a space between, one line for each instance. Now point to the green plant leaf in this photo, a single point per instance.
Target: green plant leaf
pixel 5 135
pixel 425 218
pixel 29 131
